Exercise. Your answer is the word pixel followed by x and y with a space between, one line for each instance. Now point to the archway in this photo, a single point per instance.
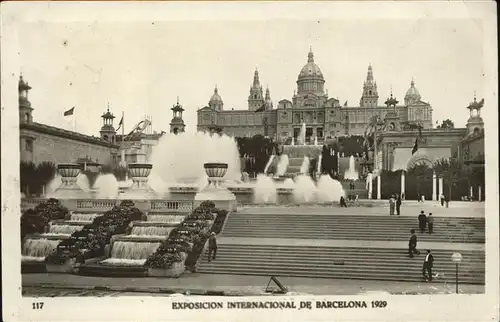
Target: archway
pixel 419 178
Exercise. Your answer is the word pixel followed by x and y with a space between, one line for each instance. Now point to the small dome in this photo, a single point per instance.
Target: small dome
pixel 215 97
pixel 412 92
pixel 310 69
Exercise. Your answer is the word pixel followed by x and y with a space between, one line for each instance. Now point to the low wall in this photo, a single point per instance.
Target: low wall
pixel 102 205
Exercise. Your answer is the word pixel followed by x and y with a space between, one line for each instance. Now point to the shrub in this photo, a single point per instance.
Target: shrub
pixel 35 220
pixel 162 260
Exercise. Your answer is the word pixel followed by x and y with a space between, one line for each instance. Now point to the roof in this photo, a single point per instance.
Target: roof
pixel 108 115
pixel 310 69
pixel 177 107
pixel 52 130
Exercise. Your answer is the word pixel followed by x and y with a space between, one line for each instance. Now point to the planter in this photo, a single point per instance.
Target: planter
pixel 175 271
pixel 68 267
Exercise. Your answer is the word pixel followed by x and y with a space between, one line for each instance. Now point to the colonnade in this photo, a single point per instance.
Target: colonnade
pixel 437 187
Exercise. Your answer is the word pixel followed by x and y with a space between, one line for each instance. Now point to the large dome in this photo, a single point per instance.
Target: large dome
pixel 412 92
pixel 215 97
pixel 310 69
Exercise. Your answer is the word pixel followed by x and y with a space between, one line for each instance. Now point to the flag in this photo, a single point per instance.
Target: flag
pixel 120 124
pixel 345 104
pixel 415 146
pixel 69 112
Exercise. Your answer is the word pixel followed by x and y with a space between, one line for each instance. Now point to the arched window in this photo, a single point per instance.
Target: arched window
pixel 105 137
pixel 369 92
pixel 27 117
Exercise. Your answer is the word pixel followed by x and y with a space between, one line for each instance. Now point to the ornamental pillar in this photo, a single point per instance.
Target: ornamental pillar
pixel 434 192
pixel 440 188
pixel 479 193
pixel 402 183
pixel 379 184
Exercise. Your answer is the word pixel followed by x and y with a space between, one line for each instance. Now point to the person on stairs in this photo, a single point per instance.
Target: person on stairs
pixel 398 205
pixel 342 202
pixel 412 245
pixel 212 247
pixel 392 204
pixel 430 223
pixel 427 267
pixel 422 221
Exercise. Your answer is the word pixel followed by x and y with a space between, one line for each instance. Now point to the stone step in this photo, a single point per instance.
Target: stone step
pixel 415 276
pixel 358 263
pixel 112 271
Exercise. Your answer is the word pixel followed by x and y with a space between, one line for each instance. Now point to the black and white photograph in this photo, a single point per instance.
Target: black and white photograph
pixel 250 160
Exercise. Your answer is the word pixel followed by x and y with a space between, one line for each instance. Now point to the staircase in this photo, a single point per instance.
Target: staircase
pixel 352 227
pixel 308 245
pixel 347 263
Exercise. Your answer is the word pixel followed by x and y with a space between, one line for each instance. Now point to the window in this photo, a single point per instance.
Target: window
pixel 27 117
pixel 29 145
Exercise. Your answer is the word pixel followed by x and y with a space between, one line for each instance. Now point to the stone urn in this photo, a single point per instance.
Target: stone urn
pixel 214 191
pixel 69 188
pixel 215 173
pixel 139 173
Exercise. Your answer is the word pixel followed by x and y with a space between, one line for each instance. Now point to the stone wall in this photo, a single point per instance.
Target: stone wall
pixel 57 149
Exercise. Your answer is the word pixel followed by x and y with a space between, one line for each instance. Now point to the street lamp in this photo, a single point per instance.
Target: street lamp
pixel 456 258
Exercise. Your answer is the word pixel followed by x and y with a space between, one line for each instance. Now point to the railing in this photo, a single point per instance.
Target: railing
pixel 102 205
pixel 171 206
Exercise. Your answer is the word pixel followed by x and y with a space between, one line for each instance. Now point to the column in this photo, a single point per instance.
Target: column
pixel 471 192
pixel 440 189
pixel 434 196
pixel 479 193
pixel 379 183
pixel 370 185
pixel 402 183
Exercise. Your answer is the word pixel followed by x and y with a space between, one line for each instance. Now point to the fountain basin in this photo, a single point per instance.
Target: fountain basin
pixel 69 170
pixel 215 170
pixel 139 170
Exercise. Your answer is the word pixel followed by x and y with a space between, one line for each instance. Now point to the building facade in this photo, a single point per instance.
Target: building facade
pixel 44 143
pixel 323 116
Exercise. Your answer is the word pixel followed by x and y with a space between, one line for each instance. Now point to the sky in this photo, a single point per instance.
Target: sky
pixel 142 67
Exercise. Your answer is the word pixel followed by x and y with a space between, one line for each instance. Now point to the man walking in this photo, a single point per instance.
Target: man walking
pixel 427 267
pixel 398 205
pixel 430 223
pixel 412 245
pixel 422 221
pixel 212 247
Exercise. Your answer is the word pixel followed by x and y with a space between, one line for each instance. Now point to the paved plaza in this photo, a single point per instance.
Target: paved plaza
pixel 199 284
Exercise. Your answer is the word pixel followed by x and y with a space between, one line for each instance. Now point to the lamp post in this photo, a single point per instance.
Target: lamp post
pixel 456 258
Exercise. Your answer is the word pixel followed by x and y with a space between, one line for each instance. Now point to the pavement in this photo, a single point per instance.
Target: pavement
pixel 461 209
pixel 346 243
pixel 231 285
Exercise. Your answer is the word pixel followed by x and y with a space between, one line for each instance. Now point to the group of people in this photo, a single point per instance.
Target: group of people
pixel 425 222
pixel 395 204
pixel 428 260
pixel 351 198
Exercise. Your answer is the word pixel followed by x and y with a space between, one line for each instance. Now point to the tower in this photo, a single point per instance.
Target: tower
pixel 107 131
pixel 256 97
pixel 369 98
pixel 177 124
pixel 268 102
pixel 391 118
pixel 475 122
pixel 216 102
pixel 25 109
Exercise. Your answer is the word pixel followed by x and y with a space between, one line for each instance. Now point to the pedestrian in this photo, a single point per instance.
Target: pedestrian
pixel 412 245
pixel 422 221
pixel 356 201
pixel 342 202
pixel 427 267
pixel 447 201
pixel 212 247
pixel 430 223
pixel 392 204
pixel 442 200
pixel 398 205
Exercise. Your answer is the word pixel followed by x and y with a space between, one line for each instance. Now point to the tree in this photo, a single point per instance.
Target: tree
pixel 446 124
pixel 450 170
pixel 27 177
pixel 45 172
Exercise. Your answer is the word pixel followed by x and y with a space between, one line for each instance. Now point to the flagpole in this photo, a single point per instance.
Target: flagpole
pixel 74 120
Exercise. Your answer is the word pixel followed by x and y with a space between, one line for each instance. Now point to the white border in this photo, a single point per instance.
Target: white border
pixel 437 307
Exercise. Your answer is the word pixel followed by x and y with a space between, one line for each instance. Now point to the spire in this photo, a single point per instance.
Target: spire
pixel 310 56
pixel 177 100
pixel 268 93
pixel 369 76
pixel 216 90
pixel 256 81
pixel 412 82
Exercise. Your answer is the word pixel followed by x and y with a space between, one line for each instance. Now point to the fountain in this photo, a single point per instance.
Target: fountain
pixel 304 168
pixel 131 253
pixel 69 188
pixel 315 140
pixel 36 249
pixel 264 190
pixel 214 191
pixel 293 141
pixel 318 167
pixel 304 189
pixel 268 164
pixel 351 173
pixel 282 165
pixel 301 140
pixel 106 186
